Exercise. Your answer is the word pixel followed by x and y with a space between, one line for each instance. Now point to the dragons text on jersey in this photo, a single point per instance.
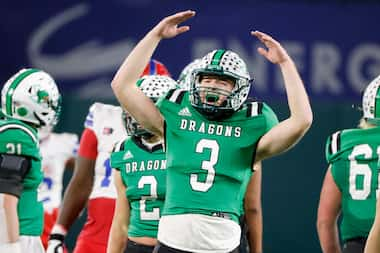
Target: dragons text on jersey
pixel 210 128
pixel 141 166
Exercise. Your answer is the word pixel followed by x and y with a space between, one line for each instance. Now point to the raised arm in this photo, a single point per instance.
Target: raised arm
pixel 288 132
pixel 124 82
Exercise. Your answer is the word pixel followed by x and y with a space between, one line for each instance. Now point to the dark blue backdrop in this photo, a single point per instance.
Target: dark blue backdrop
pixel 336 46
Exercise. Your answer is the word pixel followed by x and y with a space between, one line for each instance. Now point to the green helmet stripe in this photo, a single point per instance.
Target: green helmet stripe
pixel 376 113
pixel 13 86
pixel 139 82
pixel 218 55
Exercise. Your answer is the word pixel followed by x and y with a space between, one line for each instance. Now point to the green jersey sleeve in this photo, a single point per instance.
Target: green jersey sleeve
pixel 270 117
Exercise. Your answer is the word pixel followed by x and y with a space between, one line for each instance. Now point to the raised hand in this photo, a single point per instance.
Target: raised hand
pixel 169 26
pixel 274 52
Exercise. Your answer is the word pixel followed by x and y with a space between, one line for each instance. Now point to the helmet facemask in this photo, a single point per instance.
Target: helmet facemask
pixel 228 66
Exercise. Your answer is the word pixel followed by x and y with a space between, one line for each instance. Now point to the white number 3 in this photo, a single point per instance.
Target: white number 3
pixel 206 165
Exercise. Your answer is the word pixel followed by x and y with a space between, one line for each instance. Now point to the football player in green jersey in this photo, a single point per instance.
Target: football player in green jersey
pixel 351 182
pixel 29 99
pixel 140 179
pixel 373 241
pixel 212 137
pixel 252 220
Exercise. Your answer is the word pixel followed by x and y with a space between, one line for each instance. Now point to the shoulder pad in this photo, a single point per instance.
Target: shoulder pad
pixel 254 109
pixel 175 95
pixel 119 146
pixel 21 127
pixel 333 145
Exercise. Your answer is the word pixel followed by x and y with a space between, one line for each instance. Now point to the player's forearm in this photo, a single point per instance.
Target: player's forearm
pixel 75 199
pixel 11 217
pixel 117 238
pixel 328 237
pixel 255 230
pixel 299 105
pixel 118 233
pixel 373 241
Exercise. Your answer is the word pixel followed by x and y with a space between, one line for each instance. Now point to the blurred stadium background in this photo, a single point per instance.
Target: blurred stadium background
pixel 336 45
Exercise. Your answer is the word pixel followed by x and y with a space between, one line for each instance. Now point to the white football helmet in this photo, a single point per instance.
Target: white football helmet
pixel 32 96
pixel 221 63
pixel 154 87
pixel 184 79
pixel 371 102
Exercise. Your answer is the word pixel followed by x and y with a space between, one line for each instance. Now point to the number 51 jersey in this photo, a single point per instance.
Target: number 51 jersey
pixel 354 158
pixel 106 122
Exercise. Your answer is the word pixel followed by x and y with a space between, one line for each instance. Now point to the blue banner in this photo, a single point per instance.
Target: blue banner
pixel 335 46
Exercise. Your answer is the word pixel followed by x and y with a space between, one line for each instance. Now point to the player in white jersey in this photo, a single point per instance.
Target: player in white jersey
pixel 92 180
pixel 58 151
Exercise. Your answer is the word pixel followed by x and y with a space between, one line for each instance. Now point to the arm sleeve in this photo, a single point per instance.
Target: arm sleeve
pixel 12 172
pixel 88 146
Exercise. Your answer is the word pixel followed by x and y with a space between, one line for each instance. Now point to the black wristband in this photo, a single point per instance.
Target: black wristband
pixel 58 237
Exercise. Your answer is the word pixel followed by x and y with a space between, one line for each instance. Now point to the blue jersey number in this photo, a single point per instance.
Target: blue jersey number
pixel 106 180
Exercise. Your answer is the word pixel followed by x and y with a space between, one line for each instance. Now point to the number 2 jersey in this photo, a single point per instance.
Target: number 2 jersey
pixel 209 162
pixel 354 158
pixel 106 122
pixel 55 149
pixel 18 138
pixel 143 172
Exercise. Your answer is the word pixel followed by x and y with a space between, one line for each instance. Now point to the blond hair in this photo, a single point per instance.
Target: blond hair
pixel 364 124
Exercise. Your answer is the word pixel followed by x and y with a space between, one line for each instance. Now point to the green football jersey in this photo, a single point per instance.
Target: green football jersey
pixel 209 162
pixel 144 174
pixel 354 158
pixel 18 138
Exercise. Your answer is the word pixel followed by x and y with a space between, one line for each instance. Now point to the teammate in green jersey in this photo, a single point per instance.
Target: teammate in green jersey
pixel 140 179
pixel 212 137
pixel 351 182
pixel 30 99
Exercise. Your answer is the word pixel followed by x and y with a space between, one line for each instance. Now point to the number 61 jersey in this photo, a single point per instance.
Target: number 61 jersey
pixel 106 122
pixel 354 158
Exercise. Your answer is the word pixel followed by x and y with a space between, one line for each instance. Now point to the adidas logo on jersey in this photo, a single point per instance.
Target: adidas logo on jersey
pixel 127 155
pixel 185 112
